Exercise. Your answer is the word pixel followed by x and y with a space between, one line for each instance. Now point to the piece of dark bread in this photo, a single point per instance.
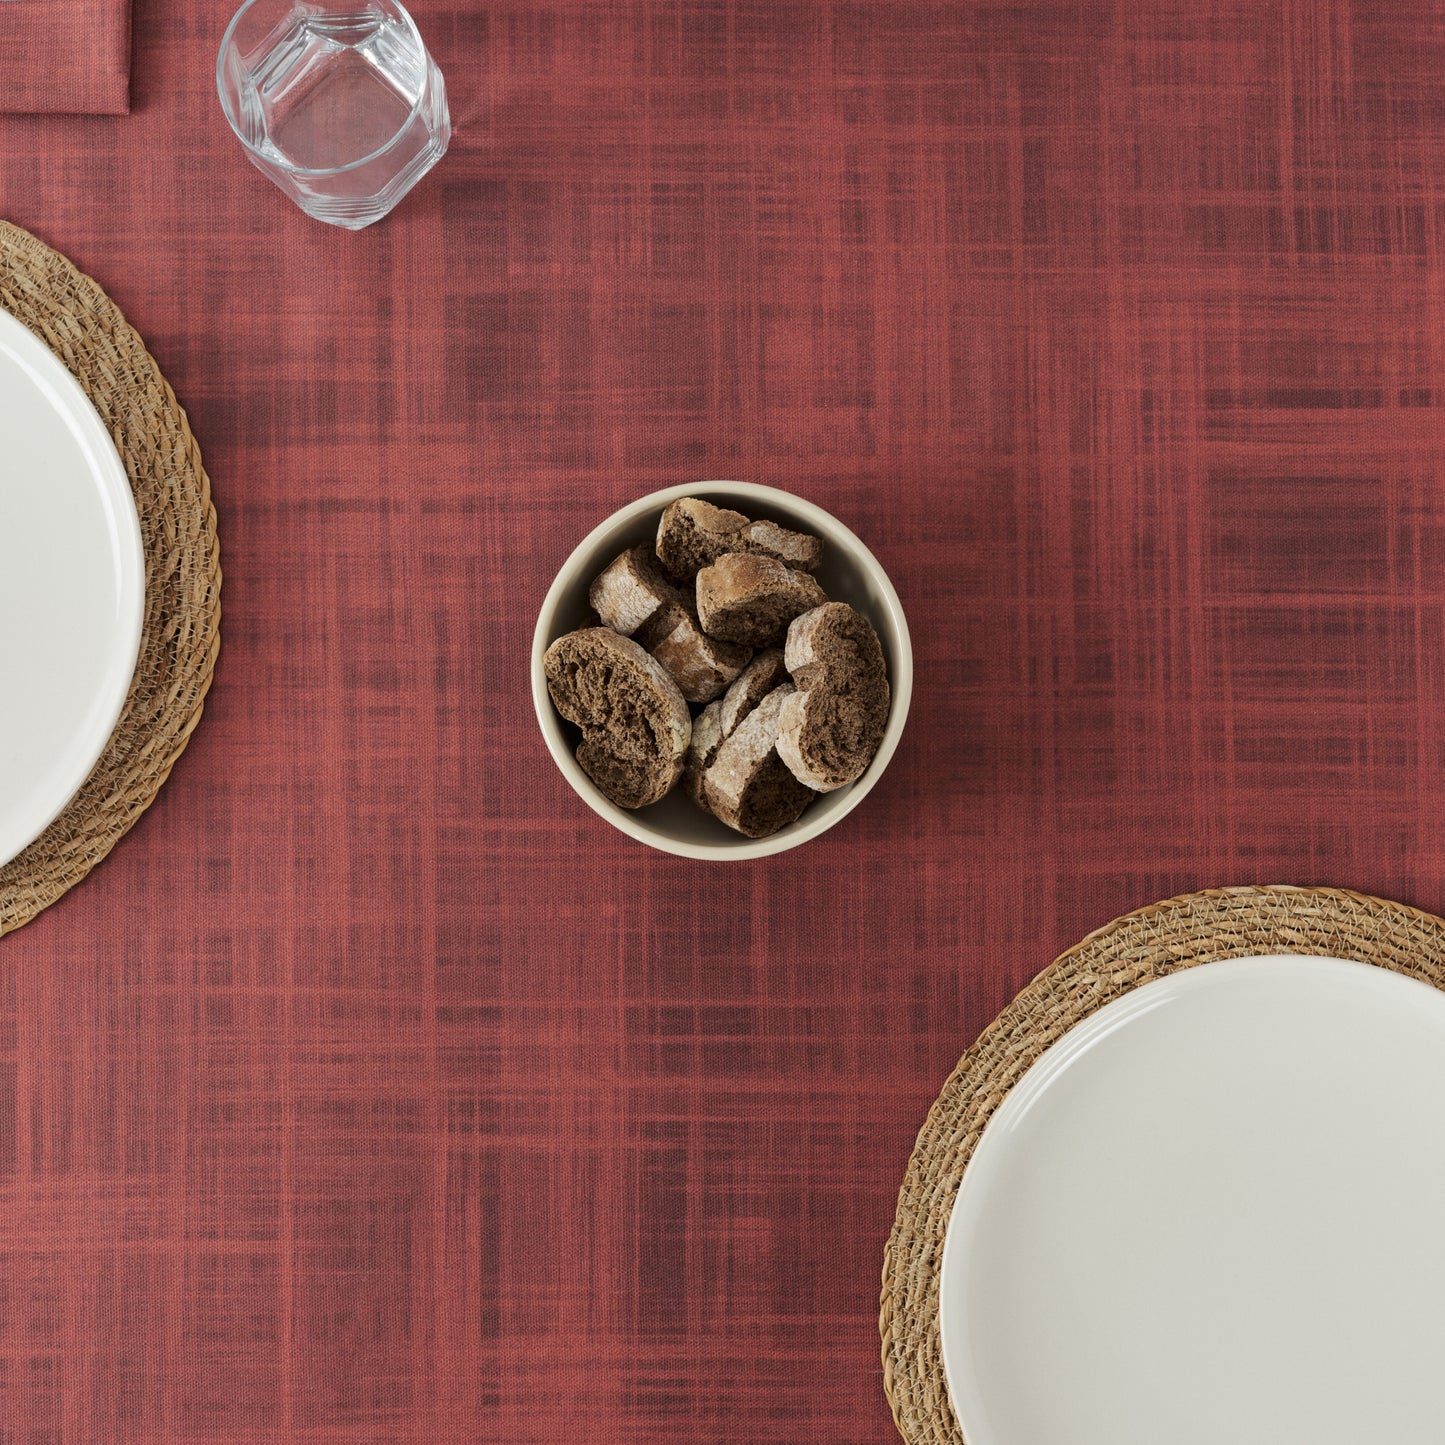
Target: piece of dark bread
pixel 631 591
pixel 635 724
pixel 751 599
pixel 765 672
pixel 831 726
pixel 748 785
pixel 693 534
pixel 717 721
pixel 707 738
pixel 633 596
pixel 701 666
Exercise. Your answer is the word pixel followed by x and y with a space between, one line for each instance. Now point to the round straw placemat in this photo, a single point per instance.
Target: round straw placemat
pixel 181 634
pixel 1177 934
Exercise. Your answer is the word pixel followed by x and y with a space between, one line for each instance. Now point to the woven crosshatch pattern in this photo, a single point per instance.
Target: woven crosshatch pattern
pixel 373 1091
pixel 66 56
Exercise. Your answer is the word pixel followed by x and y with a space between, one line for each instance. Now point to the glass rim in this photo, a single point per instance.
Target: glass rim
pixel 228 43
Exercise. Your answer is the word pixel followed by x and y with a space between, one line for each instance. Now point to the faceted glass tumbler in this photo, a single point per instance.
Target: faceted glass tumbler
pixel 338 103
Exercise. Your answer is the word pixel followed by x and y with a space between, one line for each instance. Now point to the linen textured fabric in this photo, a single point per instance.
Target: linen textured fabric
pixel 65 56
pixel 374 1091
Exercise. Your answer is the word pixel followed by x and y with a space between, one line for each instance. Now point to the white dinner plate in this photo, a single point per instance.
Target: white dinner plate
pixel 72 586
pixel 1212 1212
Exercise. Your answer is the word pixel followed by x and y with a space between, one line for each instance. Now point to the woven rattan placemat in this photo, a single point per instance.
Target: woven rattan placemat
pixel 1177 934
pixel 181 634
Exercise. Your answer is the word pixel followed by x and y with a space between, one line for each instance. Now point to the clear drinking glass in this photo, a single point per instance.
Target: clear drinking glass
pixel 338 103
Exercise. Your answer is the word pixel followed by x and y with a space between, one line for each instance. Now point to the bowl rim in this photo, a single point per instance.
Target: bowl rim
pixel 807 514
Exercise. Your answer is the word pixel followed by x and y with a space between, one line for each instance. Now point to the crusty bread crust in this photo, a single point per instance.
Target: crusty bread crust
pixel 765 672
pixel 630 591
pixel 748 787
pixel 633 597
pixel 741 755
pixel 707 738
pixel 701 666
pixel 693 534
pixel 800 649
pixel 718 720
pixel 831 727
pixel 751 599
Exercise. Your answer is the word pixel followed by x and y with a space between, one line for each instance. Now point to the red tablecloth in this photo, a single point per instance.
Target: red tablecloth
pixel 374 1091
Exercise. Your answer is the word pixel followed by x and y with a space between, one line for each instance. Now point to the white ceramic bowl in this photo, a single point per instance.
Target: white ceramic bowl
pixel 849 573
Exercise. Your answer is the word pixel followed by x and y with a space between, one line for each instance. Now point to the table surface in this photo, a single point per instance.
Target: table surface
pixel 374 1090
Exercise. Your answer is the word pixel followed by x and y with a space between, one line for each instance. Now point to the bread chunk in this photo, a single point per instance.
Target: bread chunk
pixel 700 666
pixel 831 727
pixel 748 786
pixel 707 738
pixel 631 591
pixel 766 671
pixel 632 596
pixel 752 599
pixel 718 720
pixel 635 724
pixel 693 534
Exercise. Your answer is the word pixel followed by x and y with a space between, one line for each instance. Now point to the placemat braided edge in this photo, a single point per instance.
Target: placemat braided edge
pixel 181 637
pixel 1176 934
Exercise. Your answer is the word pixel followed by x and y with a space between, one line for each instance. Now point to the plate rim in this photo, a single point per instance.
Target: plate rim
pixel 113 482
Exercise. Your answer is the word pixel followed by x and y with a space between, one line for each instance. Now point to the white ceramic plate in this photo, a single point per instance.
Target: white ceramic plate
pixel 72 586
pixel 1214 1211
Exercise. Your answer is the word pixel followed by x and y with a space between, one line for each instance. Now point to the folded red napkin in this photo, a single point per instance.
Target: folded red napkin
pixel 65 56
